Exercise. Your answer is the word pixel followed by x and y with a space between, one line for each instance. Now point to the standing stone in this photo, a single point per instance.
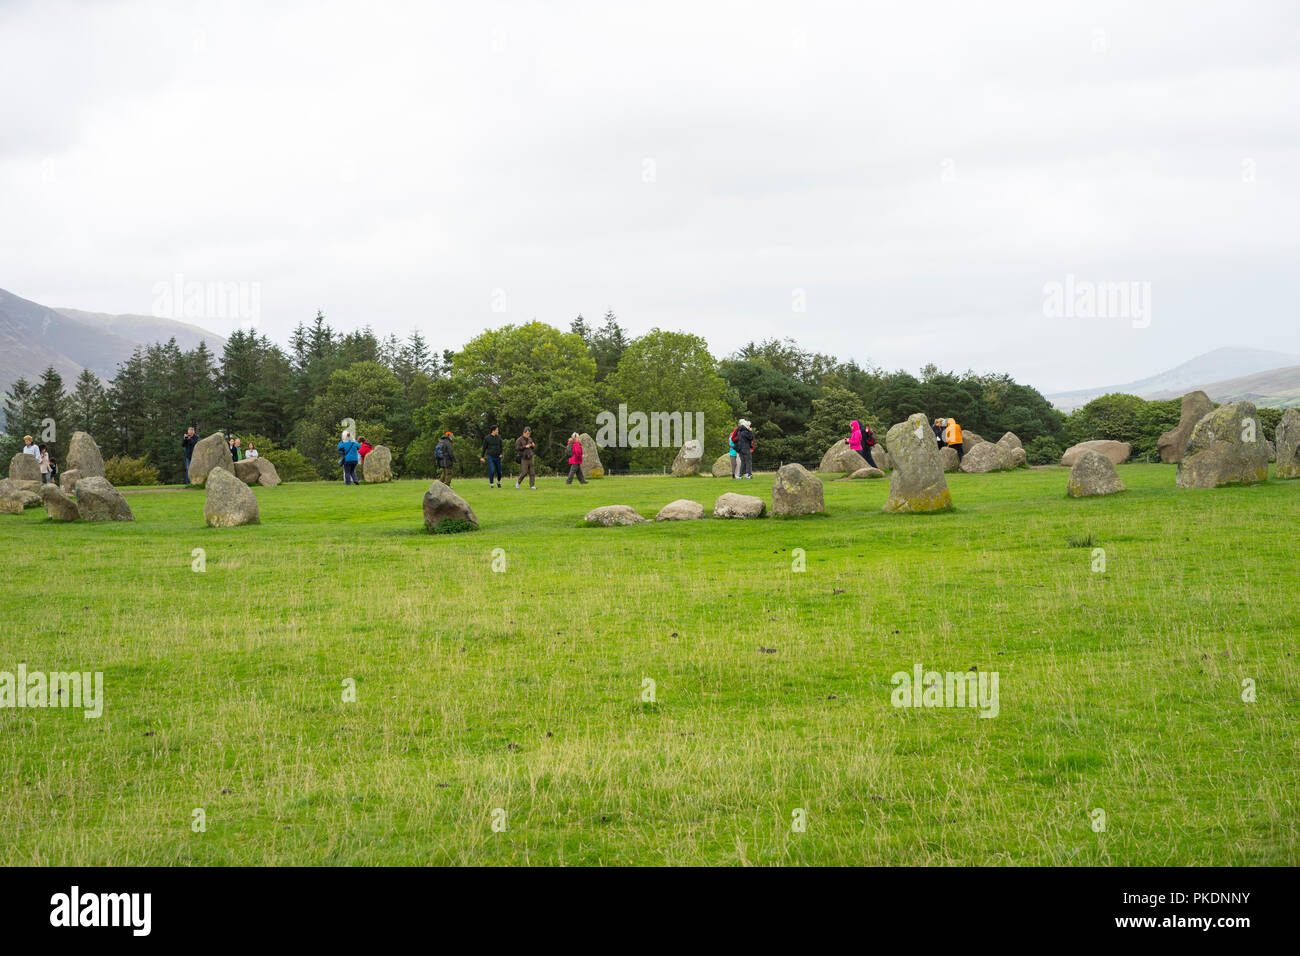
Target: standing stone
pixel 985 457
pixel 722 468
pixel 378 466
pixel 949 458
pixel 688 459
pixel 797 491
pixel 1288 444
pixel 1226 447
pixel 68 481
pixel 211 452
pixel 247 471
pixel 98 500
pixel 917 483
pixel 229 502
pixel 732 505
pixel 24 467
pixel 1019 458
pixel 58 505
pixel 1173 443
pixel 1009 441
pixel 841 458
pixel 1116 451
pixel 84 456
pixel 267 476
pixel 591 464
pixel 683 509
pixel 612 515
pixel 1093 474
pixel 441 504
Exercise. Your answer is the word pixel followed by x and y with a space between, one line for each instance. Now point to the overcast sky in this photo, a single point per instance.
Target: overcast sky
pixel 895 183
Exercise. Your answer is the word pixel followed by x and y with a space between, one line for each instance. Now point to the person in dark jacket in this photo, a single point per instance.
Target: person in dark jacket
pixel 350 452
pixel 445 455
pixel 188 442
pixel 491 453
pixel 939 424
pixel 525 449
pixel 745 449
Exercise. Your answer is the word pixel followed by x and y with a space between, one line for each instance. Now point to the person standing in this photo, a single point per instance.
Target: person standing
pixel 862 439
pixel 525 449
pixel 952 436
pixel 30 448
pixel 350 454
pixel 46 467
pixel 250 454
pixel 187 443
pixel 235 453
pixel 733 455
pixel 445 455
pixel 939 424
pixel 745 448
pixel 491 453
pixel 366 449
pixel 575 460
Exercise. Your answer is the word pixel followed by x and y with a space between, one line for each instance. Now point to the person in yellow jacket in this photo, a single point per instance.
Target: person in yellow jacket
pixel 952 436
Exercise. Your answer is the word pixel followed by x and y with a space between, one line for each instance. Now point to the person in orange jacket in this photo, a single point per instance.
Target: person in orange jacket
pixel 952 436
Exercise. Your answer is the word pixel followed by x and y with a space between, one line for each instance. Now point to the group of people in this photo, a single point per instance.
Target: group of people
pixel 42 455
pixel 352 452
pixel 235 445
pixel 948 434
pixel 740 449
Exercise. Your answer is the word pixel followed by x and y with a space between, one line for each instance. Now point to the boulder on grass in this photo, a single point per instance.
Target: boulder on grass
pixel 1019 457
pixel 985 457
pixel 1288 444
pixel 58 505
pixel 28 499
pixel 24 467
pixel 1226 447
pixel 612 515
pixel 377 467
pixel 917 483
pixel 211 452
pixel 10 505
pixel 1093 474
pixel 688 459
pixel 723 467
pixel 68 481
pixel 228 501
pixel 84 456
pixel 867 472
pixel 683 509
pixel 441 505
pixel 1173 443
pixel 797 491
pixel 98 500
pixel 1009 441
pixel 247 471
pixel 732 505
pixel 591 464
pixel 949 458
pixel 267 476
pixel 1116 451
pixel 841 458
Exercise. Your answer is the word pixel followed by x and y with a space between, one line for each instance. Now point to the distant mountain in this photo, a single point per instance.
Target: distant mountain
pixel 1220 366
pixel 1276 388
pixel 34 337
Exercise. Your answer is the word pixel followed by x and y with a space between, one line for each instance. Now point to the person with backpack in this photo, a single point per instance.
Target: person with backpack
pixel 525 449
pixel 745 449
pixel 733 455
pixel 445 455
pixel 366 449
pixel 952 436
pixel 575 459
pixel 862 439
pixel 491 452
pixel 349 455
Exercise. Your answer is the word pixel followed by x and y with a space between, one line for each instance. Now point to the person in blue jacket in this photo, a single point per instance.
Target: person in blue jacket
pixel 349 455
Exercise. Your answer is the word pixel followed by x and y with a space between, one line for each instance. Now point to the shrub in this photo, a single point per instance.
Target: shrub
pixel 290 464
pixel 1043 451
pixel 122 471
pixel 454 526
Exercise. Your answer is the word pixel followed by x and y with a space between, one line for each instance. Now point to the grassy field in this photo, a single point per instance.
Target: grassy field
pixel 521 689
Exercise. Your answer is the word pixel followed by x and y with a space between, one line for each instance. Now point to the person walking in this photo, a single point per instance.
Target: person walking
pixel 733 455
pixel 445 455
pixel 187 444
pixel 525 449
pixel 745 448
pixel 349 455
pixel 952 437
pixel 491 453
pixel 575 460
pixel 46 467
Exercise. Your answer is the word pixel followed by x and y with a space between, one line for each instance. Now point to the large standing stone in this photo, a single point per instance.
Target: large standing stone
pixel 611 515
pixel 378 465
pixel 985 457
pixel 1173 443
pixel 1116 451
pixel 247 471
pixel 267 476
pixel 98 500
pixel 442 504
pixel 949 458
pixel 688 459
pixel 1093 474
pixel 732 505
pixel 1288 444
pixel 841 458
pixel 917 483
pixel 24 467
pixel 797 491
pixel 211 452
pixel 229 502
pixel 58 505
pixel 1226 447
pixel 84 456
pixel 591 464
pixel 68 481
pixel 723 467
pixel 683 509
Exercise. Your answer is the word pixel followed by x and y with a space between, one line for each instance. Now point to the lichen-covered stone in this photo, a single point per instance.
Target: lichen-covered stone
pixel 917 483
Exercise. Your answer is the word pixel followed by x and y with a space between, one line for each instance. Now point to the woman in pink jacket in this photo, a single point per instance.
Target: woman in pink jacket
pixel 575 460
pixel 861 440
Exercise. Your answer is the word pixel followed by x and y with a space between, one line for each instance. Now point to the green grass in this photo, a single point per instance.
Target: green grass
pixel 521 689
